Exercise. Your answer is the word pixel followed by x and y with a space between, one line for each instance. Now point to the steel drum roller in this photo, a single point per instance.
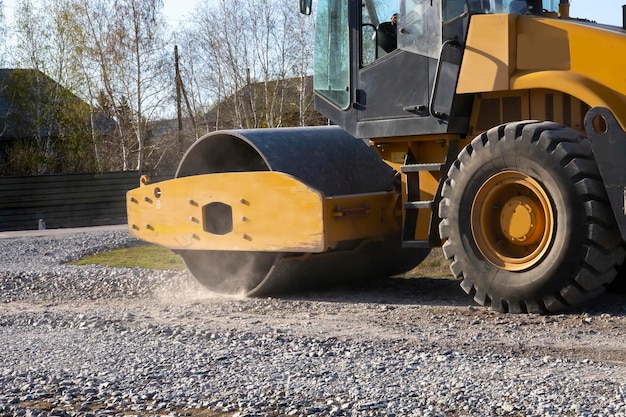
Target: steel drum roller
pixel 326 158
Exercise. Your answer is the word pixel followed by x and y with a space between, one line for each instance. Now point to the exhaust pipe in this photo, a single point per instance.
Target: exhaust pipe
pixel 564 9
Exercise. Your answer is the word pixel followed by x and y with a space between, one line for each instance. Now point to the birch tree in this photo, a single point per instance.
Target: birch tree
pixel 303 28
pixel 124 46
pixel 3 35
pixel 139 32
pixel 250 57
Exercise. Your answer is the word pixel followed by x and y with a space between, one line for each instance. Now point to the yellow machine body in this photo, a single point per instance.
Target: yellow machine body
pixel 517 68
pixel 522 68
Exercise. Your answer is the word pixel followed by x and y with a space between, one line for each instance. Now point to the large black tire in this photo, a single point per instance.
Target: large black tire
pixel 527 221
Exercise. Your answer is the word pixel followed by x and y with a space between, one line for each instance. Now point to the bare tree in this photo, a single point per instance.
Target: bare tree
pixel 245 60
pixel 202 71
pixel 268 42
pixel 303 28
pixel 100 55
pixel 139 25
pixel 3 35
pixel 124 47
pixel 243 64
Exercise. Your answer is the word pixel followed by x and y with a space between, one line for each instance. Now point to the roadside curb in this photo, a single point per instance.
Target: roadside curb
pixel 55 232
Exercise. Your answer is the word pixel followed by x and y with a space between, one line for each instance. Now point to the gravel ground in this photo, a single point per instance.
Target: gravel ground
pixel 95 341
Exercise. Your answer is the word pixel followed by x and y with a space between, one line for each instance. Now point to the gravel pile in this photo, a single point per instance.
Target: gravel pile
pixel 35 269
pixel 95 341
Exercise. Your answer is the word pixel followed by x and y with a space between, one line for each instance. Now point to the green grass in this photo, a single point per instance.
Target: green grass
pixel 434 266
pixel 157 257
pixel 143 256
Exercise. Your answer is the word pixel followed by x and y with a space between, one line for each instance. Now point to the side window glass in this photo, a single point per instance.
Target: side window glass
pixel 420 27
pixel 379 23
pixel 332 64
pixel 368 38
pixel 453 8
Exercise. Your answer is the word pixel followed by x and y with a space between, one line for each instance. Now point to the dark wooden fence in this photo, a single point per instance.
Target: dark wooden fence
pixel 61 201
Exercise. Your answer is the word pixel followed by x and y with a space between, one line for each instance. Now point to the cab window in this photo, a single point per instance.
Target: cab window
pixel 379 24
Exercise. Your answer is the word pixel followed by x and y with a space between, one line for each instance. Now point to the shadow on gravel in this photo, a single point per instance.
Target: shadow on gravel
pixel 608 303
pixel 393 290
pixel 440 292
pixel 431 284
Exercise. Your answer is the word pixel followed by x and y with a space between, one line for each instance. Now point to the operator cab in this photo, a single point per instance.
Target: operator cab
pixel 380 78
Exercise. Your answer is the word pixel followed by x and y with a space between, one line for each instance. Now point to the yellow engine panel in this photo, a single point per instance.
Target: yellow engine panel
pixel 508 53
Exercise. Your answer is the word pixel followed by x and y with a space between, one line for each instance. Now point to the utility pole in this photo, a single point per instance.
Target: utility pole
pixel 179 111
pixel 180 91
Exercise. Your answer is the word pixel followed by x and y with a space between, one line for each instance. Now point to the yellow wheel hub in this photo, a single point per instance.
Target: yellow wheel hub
pixel 512 221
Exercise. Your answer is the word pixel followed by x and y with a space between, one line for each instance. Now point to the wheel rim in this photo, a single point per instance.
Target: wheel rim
pixel 512 221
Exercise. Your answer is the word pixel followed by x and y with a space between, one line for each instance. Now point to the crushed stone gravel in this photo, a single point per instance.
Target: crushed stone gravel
pixel 99 341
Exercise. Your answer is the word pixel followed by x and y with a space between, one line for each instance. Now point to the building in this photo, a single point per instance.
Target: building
pixel 44 127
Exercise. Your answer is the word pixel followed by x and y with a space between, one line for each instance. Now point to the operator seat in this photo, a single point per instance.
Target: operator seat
pixel 479 6
pixel 518 7
pixel 386 37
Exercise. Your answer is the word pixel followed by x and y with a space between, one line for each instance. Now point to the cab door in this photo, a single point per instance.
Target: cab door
pixel 398 91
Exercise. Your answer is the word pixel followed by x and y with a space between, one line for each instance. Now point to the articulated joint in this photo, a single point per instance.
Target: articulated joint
pixel 608 142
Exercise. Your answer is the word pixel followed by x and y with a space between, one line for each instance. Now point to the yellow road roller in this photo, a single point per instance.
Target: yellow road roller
pixel 493 128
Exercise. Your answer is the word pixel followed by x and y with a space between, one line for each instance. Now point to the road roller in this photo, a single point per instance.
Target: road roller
pixel 491 128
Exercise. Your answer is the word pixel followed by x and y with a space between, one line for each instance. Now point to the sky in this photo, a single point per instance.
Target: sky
pixel 601 11
pixel 177 10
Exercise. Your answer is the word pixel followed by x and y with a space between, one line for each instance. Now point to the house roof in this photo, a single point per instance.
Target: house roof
pixel 14 81
pixel 19 89
pixel 220 116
